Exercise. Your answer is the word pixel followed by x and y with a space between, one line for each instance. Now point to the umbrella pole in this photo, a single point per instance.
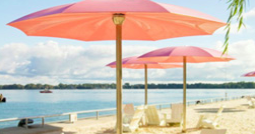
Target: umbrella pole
pixel 146 83
pixel 184 94
pixel 118 19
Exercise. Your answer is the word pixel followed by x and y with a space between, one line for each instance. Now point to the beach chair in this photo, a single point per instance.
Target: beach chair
pixel 213 131
pixel 176 115
pixel 153 117
pixel 128 112
pixel 209 120
pixel 134 123
pixel 251 101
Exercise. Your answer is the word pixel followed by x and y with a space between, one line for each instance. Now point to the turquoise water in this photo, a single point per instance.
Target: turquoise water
pixel 24 103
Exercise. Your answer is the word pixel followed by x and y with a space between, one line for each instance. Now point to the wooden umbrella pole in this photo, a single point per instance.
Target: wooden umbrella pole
pixel 184 94
pixel 118 20
pixel 146 84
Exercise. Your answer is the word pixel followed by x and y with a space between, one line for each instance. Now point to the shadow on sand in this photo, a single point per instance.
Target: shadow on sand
pixel 189 130
pixel 245 105
pixel 111 131
pixel 107 131
pixel 32 129
pixel 215 110
pixel 70 133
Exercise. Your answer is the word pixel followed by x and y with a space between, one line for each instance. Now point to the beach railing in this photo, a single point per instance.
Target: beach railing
pixel 70 114
pixel 194 102
pixel 97 112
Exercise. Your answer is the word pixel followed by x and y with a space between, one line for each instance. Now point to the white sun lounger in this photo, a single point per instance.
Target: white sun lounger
pixel 153 117
pixel 134 123
pixel 128 112
pixel 129 109
pixel 210 120
pixel 251 101
pixel 213 131
pixel 176 114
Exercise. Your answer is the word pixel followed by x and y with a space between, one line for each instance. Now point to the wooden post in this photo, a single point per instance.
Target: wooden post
pixel 184 94
pixel 146 84
pixel 118 20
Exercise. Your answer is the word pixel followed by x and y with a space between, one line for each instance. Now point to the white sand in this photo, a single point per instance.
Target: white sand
pixel 236 118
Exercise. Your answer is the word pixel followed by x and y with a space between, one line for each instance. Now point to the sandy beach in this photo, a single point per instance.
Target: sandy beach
pixel 237 118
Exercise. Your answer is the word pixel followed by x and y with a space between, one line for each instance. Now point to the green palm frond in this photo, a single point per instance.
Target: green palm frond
pixel 236 8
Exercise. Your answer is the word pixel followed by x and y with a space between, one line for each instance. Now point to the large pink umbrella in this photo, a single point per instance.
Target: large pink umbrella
pixel 134 63
pixel 95 20
pixel 185 54
pixel 250 74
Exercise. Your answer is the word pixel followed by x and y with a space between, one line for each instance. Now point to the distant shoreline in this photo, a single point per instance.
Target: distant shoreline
pixel 112 86
pixel 135 89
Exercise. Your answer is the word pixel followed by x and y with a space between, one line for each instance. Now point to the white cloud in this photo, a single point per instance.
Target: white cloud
pixel 53 63
pixel 61 63
pixel 249 14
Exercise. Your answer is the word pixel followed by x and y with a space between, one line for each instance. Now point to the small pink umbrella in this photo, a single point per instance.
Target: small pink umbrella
pixel 185 54
pixel 250 74
pixel 96 20
pixel 134 63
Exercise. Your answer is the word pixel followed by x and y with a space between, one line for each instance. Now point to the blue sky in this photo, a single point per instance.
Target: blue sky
pixel 27 59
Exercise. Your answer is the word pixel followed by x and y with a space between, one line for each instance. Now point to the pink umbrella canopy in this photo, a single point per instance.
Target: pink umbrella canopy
pixel 91 20
pixel 134 63
pixel 193 55
pixel 96 20
pixel 185 54
pixel 250 74
pixel 150 66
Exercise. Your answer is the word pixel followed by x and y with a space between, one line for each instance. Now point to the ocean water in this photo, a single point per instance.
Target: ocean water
pixel 25 103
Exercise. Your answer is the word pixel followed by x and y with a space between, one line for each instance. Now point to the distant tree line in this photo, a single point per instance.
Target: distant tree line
pixel 129 86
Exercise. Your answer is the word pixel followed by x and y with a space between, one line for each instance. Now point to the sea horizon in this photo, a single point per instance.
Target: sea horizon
pixel 109 86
